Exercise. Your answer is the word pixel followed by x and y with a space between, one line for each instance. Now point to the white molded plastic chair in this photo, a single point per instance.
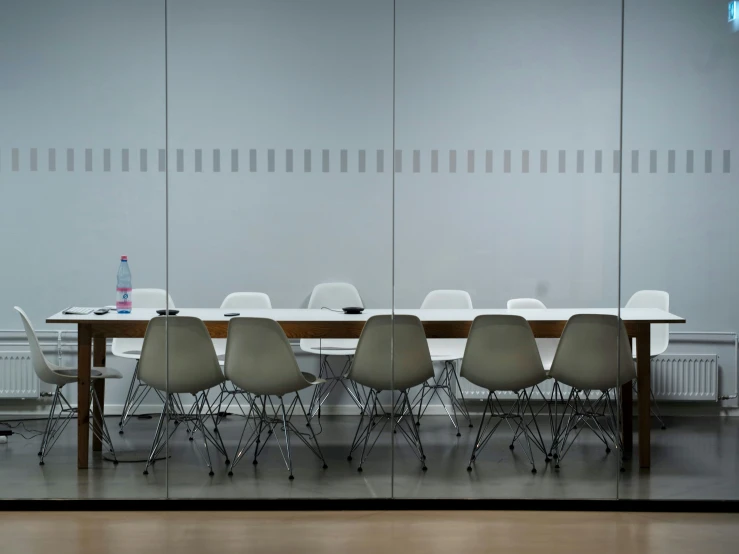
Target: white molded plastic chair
pixel 334 296
pixel 372 368
pixel 447 351
pixel 52 374
pixel 525 304
pixel 659 332
pixel 593 357
pixel 193 368
pixel 241 301
pixel 547 347
pixel 131 349
pixel 502 356
pixel 260 361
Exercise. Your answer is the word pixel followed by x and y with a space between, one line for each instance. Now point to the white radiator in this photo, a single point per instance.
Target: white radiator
pixel 683 377
pixel 17 378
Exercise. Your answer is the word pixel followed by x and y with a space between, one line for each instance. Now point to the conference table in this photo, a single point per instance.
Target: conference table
pixel 94 330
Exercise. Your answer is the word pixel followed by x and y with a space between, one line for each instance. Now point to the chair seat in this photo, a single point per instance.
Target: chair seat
pixel 312 379
pixel 329 347
pixel 71 374
pixel 442 350
pixel 129 354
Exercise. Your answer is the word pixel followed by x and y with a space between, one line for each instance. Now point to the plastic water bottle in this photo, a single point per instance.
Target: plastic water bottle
pixel 123 302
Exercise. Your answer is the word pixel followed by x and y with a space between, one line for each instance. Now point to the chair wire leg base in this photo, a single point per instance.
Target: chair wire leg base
pixel 58 421
pixel 281 417
pixel 494 410
pixel 197 416
pixel 137 393
pixel 374 420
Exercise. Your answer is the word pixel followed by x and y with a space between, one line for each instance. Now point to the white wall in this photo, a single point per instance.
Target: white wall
pixel 470 75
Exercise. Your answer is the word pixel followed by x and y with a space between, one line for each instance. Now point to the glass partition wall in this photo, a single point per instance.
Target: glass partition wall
pixel 679 238
pixel 507 201
pixel 82 183
pixel 495 184
pixel 280 206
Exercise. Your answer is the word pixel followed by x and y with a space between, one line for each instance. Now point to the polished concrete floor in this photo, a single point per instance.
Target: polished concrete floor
pixel 695 458
pixel 368 532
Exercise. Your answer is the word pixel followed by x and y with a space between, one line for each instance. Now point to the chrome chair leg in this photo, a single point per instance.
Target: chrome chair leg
pixel 173 410
pixel 446 383
pixel 494 410
pixel 60 414
pixel 137 393
pixel 102 433
pixel 56 424
pixel 280 417
pixel 401 418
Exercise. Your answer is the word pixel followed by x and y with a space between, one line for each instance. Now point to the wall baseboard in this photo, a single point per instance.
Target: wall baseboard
pixel 16 410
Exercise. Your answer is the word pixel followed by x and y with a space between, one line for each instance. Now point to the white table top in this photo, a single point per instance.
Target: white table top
pixel 305 315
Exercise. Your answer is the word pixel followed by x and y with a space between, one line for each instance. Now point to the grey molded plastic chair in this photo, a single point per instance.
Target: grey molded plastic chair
pixel 373 369
pixel 448 352
pixel 501 356
pixel 131 349
pixel 547 347
pixel 234 302
pixel 59 377
pixel 260 361
pixel 659 332
pixel 193 368
pixel 594 358
pixel 334 296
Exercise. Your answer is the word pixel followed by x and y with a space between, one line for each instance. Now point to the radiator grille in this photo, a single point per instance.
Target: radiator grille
pixel 17 378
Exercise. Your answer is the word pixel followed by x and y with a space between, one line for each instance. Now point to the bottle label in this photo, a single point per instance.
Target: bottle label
pixel 123 300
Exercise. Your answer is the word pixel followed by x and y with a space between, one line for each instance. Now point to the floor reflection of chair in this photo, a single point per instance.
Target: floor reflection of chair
pixel 373 368
pixel 178 357
pixel 502 356
pixel 594 359
pixel 59 377
pixel 261 362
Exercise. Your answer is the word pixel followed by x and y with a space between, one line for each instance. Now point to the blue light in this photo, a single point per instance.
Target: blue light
pixel 733 11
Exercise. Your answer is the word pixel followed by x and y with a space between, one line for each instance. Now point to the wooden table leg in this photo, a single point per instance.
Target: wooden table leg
pixel 627 418
pixel 98 357
pixel 84 361
pixel 644 385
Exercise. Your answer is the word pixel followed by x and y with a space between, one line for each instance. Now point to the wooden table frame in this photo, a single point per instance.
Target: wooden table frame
pixel 92 336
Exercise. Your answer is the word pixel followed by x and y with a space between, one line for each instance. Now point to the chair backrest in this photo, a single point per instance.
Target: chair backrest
pixel 447 299
pixel 193 365
pixel 142 298
pixel 334 296
pixel 152 298
pixel 411 362
pixel 659 332
pixel 501 354
pixel 41 365
pixel 594 353
pixel 525 304
pixel 247 301
pixel 260 359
